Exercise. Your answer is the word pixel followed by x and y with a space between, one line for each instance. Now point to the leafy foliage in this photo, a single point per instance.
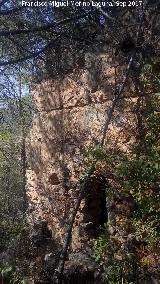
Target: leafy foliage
pixel 14 245
pixel 141 179
pixel 139 174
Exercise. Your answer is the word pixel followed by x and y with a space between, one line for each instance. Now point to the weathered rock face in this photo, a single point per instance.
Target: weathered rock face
pixel 70 116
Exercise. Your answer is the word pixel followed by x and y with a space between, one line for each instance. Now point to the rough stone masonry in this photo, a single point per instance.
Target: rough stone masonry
pixel 69 117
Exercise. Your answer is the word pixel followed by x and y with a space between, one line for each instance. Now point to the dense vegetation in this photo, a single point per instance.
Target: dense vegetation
pixel 140 182
pixel 16 116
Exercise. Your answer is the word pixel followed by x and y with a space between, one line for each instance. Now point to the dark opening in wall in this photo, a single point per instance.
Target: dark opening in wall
pixel 95 210
pixel 75 275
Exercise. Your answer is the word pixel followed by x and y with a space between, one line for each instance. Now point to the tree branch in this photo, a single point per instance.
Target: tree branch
pixel 103 12
pixel 47 28
pixel 30 56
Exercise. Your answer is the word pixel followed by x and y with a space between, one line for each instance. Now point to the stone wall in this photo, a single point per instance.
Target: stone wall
pixel 70 113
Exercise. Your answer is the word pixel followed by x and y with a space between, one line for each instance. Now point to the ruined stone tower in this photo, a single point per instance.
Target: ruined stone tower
pixel 70 113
